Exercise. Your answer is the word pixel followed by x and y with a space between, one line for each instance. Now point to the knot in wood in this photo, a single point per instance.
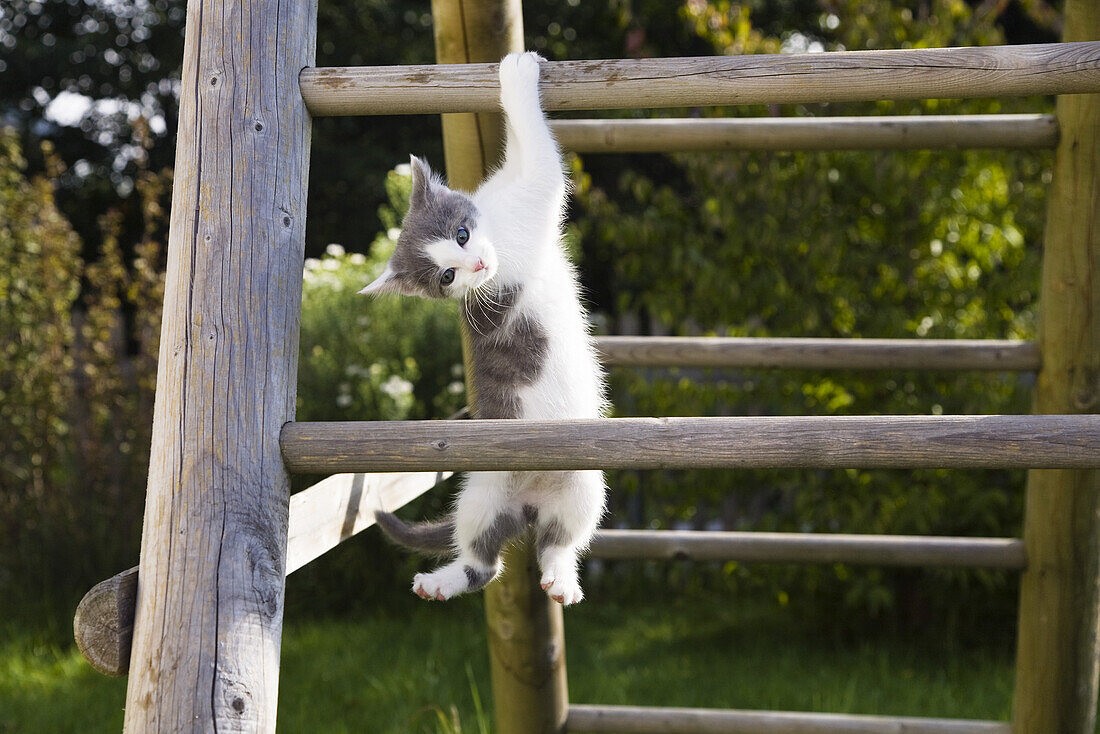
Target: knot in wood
pixel 440 445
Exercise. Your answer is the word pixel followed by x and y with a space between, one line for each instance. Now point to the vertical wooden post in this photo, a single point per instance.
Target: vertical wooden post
pixel 210 592
pixel 1059 629
pixel 526 637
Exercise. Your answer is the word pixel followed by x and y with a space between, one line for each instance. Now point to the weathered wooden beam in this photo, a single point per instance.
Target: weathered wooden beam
pixel 1058 653
pixel 750 547
pixel 797 353
pixel 839 76
pixel 654 720
pixel 208 625
pixel 908 132
pixel 1047 441
pixel 321 517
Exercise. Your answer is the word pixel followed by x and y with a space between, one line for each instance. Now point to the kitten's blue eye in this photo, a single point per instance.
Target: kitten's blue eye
pixel 462 237
pixel 448 276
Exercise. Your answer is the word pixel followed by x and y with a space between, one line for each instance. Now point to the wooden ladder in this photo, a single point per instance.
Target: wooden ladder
pixel 198 627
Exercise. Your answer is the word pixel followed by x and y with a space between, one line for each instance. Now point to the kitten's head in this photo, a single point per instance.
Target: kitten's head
pixel 443 251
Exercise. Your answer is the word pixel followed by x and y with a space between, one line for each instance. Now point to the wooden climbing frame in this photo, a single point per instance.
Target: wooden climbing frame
pixel 198 624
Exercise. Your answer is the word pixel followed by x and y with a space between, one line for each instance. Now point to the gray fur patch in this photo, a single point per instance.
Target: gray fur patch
pixel 552 534
pixel 486 547
pixel 507 354
pixel 434 214
pixel 476 579
pixel 435 537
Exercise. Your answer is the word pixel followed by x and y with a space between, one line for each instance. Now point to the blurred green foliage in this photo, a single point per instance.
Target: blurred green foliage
pixel 76 385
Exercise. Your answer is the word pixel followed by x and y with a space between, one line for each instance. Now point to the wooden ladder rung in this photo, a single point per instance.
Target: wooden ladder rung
pixel 885 550
pixel 661 720
pixel 899 132
pixel 838 76
pixel 799 353
pixel 990 441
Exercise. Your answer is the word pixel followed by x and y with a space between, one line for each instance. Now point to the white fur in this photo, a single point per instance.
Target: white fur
pixel 518 236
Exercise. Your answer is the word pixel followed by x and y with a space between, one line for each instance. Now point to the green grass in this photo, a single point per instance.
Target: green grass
pixel 417 667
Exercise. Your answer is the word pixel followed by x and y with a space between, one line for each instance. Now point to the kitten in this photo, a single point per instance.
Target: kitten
pixel 500 251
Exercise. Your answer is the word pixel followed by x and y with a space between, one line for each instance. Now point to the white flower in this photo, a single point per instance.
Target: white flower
pixel 328 264
pixel 396 387
pixel 403 169
pixel 334 250
pixel 357 258
pixel 393 233
pixel 312 263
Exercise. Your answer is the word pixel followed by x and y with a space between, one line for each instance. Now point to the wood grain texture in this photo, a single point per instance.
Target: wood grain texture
pixel 652 720
pixel 839 76
pixel 336 508
pixel 104 623
pixel 210 591
pixel 908 132
pixel 1058 653
pixel 321 517
pixel 865 354
pixel 1048 441
pixel 884 550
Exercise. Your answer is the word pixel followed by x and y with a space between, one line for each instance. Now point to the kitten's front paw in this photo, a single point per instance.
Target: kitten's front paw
pixel 519 78
pixel 441 584
pixel 564 588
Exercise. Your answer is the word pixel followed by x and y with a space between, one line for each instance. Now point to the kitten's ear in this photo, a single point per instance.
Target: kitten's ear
pixel 421 182
pixel 385 283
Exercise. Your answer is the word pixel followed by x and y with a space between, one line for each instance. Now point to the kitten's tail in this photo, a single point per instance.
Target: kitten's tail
pixel 433 537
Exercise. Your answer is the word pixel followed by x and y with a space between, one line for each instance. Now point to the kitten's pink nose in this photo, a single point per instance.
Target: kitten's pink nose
pixel 480 265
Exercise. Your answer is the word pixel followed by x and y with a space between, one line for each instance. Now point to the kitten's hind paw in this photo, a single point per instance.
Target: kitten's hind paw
pixel 563 590
pixel 441 584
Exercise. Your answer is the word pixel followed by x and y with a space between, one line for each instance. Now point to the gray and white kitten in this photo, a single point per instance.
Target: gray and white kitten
pixel 500 251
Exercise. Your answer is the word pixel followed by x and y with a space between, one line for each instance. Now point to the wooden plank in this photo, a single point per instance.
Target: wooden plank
pixel 321 517
pixel 654 720
pixel 524 627
pixel 1058 653
pixel 839 76
pixel 210 591
pixel 904 132
pixel 1047 441
pixel 883 550
pixel 336 508
pixel 798 353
